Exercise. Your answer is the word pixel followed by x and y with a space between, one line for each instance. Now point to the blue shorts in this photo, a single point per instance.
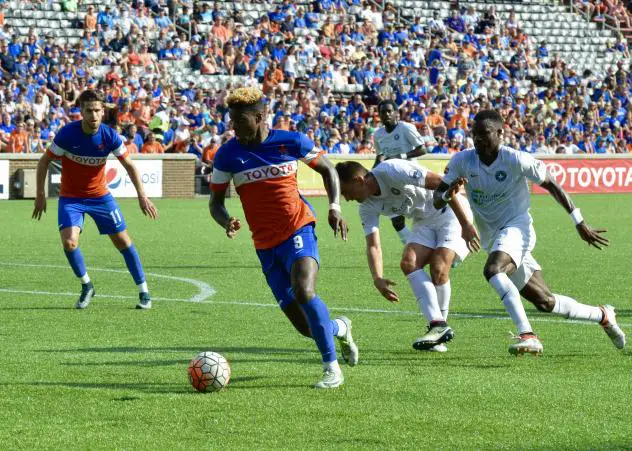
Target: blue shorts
pixel 104 210
pixel 276 263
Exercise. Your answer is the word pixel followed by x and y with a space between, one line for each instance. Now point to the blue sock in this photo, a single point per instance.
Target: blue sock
pixel 132 260
pixel 320 325
pixel 334 328
pixel 75 258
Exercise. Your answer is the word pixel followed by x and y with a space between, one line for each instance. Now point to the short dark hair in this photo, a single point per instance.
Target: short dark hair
pixel 347 170
pixel 384 103
pixel 489 115
pixel 89 95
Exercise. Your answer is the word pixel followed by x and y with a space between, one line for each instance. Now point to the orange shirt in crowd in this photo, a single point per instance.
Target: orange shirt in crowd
pixel 364 149
pixel 154 147
pixel 209 153
pixel 435 120
pixel 124 117
pixel 17 141
pixel 458 121
pixel 131 147
pixel 90 23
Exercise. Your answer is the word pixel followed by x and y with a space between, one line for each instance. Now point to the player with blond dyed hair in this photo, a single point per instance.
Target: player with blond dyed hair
pixel 262 164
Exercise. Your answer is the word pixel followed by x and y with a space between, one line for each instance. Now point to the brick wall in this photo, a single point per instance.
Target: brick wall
pixel 14 165
pixel 178 172
pixel 178 178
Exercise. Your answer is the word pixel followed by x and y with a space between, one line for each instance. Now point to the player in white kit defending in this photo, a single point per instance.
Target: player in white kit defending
pixel 400 140
pixel 398 187
pixel 498 192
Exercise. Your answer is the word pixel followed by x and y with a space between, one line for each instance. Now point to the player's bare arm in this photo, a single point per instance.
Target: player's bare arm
pixel 332 185
pixel 40 196
pixel 446 195
pixel 593 237
pixel 146 205
pixel 416 152
pixel 376 266
pixel 220 214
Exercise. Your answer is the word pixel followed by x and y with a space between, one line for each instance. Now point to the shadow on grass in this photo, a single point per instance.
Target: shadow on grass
pixel 193 349
pixel 237 382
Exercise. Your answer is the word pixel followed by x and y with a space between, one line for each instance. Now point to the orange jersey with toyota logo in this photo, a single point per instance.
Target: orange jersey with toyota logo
pixel 83 159
pixel 265 179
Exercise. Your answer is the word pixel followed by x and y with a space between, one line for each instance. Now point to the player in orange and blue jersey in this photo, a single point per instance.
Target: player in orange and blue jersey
pixel 263 163
pixel 83 147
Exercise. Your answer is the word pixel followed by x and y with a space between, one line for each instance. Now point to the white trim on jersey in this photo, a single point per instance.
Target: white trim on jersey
pixel 219 177
pixel 86 160
pixel 120 151
pixel 56 150
pixel 312 155
pixel 269 172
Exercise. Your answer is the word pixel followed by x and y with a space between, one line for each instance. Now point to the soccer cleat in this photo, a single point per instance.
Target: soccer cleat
pixel 331 379
pixel 87 293
pixel 610 326
pixel 436 335
pixel 526 344
pixel 348 348
pixel 144 301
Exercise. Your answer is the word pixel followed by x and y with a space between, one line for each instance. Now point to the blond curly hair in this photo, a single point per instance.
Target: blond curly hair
pixel 244 97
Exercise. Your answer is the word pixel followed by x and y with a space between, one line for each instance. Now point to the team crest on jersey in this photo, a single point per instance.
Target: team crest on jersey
pixel 396 191
pixel 101 147
pixel 282 149
pixel 396 137
pixel 415 174
pixel 501 176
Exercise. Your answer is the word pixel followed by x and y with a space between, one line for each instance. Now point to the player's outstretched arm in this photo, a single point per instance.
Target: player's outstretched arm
pixel 593 237
pixel 332 185
pixel 447 194
pixel 374 257
pixel 444 192
pixel 219 213
pixel 40 195
pixel 146 205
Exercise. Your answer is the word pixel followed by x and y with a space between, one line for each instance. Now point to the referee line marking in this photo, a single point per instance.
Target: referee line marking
pixel 207 291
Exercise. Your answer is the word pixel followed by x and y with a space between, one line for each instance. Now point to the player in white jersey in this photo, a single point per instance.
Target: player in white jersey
pixel 405 188
pixel 498 192
pixel 397 139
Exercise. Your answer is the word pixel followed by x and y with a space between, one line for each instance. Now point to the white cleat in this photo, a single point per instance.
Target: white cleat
pixel 610 326
pixel 348 348
pixel 331 379
pixel 526 344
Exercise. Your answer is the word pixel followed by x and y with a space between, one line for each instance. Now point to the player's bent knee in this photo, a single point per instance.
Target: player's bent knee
pixel 408 265
pixel 545 303
pixel 70 244
pixel 304 294
pixel 439 273
pixel 491 270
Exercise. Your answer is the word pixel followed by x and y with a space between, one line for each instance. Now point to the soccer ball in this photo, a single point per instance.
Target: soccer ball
pixel 209 372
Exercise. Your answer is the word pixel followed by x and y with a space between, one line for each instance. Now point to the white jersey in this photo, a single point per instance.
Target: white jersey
pixel 498 193
pixel 401 140
pixel 402 193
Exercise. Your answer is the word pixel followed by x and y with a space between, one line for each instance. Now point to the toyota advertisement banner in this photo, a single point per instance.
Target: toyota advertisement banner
pixel 590 176
pixel 120 185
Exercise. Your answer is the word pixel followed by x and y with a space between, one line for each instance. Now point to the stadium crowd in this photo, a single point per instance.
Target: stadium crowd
pixel 440 75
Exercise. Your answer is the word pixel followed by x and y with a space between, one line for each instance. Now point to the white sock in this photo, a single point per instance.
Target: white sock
pixel 510 296
pixel 342 328
pixel 443 295
pixel 142 288
pixel 85 278
pixel 404 234
pixel 332 366
pixel 570 308
pixel 426 295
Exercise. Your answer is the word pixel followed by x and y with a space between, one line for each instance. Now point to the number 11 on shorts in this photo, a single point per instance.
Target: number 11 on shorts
pixel 116 216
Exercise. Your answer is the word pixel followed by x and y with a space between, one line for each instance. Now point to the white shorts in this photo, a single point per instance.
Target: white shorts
pixel 444 231
pixel 523 273
pixel 518 240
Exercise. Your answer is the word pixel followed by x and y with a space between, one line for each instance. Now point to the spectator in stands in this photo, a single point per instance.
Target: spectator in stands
pixel 152 145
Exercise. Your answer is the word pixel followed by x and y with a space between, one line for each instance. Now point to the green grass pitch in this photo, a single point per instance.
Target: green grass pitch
pixel 113 377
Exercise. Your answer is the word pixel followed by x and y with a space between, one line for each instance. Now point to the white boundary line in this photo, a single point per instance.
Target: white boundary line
pixel 207 291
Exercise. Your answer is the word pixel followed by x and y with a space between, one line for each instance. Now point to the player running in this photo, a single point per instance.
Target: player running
pixel 405 188
pixel 83 147
pixel 499 195
pixel 397 139
pixel 263 164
